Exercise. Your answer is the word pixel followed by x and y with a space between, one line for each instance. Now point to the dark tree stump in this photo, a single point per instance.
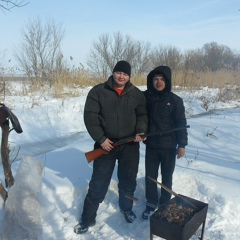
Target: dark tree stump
pixel 5 155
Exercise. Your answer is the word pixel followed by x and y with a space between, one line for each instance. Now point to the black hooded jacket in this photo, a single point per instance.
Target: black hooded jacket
pixel 108 115
pixel 165 111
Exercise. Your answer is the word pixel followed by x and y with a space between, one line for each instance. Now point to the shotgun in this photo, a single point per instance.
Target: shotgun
pixel 98 152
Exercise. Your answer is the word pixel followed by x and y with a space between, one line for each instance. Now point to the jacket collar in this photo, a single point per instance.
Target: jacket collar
pixel 128 87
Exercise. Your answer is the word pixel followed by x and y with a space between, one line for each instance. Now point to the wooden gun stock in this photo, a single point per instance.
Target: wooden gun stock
pixel 94 154
pixel 98 152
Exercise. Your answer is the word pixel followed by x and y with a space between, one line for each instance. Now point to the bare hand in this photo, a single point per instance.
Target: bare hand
pixel 107 145
pixel 139 137
pixel 180 152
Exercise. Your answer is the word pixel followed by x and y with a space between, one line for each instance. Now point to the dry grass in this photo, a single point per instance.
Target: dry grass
pixel 67 83
pixel 191 79
pixel 218 79
pixel 140 80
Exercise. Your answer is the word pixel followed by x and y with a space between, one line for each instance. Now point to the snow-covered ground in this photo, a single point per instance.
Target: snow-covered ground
pixel 51 180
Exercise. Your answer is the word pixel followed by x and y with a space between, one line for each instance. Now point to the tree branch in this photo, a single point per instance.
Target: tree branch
pixel 8 5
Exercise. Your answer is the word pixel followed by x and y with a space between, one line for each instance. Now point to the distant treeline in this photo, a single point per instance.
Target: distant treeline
pixel 42 61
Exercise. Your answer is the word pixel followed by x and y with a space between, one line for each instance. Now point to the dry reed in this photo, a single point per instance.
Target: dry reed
pixel 67 83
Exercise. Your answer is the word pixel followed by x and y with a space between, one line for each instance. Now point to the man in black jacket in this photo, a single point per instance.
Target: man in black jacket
pixel 165 112
pixel 114 110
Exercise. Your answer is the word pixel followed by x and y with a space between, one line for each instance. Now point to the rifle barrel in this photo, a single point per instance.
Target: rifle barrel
pixel 167 131
pixel 130 139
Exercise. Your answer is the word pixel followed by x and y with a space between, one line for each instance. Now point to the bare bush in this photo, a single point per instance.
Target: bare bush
pixel 211 134
pixel 229 93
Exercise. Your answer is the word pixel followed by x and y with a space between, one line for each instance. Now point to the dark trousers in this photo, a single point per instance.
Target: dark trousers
pixel 128 161
pixel 165 159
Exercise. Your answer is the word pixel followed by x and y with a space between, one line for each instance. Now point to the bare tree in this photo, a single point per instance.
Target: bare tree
pixel 107 50
pixel 193 60
pixel 40 52
pixel 217 56
pixel 211 56
pixel 8 5
pixel 166 55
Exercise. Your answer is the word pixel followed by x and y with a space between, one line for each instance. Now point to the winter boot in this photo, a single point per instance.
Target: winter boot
pixel 83 227
pixel 129 216
pixel 147 212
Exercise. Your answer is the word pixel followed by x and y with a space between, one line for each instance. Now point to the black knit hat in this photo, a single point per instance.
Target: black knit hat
pixel 123 66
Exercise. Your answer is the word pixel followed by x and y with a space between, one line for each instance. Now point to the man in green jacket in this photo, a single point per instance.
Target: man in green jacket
pixel 114 110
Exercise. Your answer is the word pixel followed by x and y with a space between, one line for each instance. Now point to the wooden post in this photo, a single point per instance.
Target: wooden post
pixel 5 155
pixel 3 192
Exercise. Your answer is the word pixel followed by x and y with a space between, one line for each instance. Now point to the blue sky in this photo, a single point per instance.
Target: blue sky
pixel 185 24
